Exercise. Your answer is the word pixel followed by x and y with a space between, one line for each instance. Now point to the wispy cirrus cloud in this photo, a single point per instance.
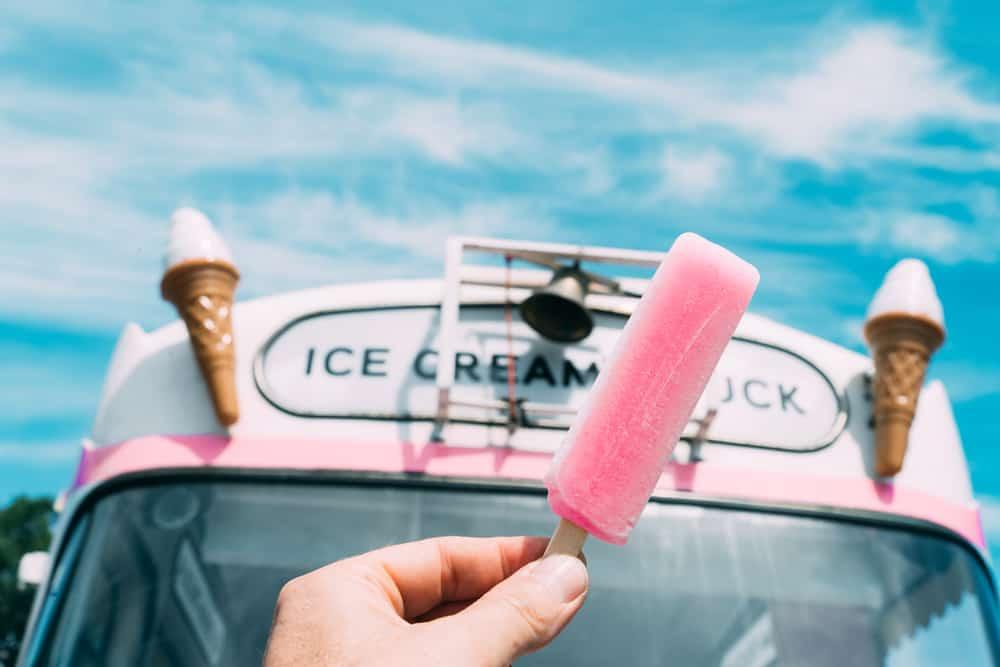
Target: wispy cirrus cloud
pixel 852 97
pixel 934 235
pixel 872 86
pixel 320 220
pixel 848 96
pixel 693 175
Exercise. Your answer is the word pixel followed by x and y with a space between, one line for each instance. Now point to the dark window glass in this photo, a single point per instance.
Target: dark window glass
pixel 188 575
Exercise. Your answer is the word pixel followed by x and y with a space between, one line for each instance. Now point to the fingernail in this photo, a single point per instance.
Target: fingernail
pixel 565 575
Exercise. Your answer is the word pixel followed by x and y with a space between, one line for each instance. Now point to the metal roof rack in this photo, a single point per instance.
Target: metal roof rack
pixel 550 255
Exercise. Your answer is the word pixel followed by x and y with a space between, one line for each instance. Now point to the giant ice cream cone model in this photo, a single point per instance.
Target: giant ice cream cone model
pixel 200 280
pixel 905 326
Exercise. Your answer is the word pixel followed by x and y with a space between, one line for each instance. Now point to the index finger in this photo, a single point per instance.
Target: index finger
pixel 418 576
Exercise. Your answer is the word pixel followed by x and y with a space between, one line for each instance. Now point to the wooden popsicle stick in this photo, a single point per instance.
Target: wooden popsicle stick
pixel 567 539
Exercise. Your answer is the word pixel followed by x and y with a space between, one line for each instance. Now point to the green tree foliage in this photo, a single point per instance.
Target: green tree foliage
pixel 24 527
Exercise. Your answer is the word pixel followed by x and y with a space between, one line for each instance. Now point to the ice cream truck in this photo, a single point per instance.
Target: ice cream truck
pixel 815 511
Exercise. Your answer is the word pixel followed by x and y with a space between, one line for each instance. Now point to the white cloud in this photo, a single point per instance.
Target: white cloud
pixel 933 235
pixel 425 233
pixel 590 172
pixel 983 201
pixel 79 248
pixel 233 113
pixel 320 220
pixel 872 85
pixel 84 213
pixel 856 93
pixel 81 256
pixel 947 158
pixel 448 133
pixel 850 97
pixel 269 265
pixel 929 234
pixel 487 64
pixel 692 175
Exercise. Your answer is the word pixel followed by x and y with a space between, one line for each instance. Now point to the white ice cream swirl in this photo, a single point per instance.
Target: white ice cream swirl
pixel 192 236
pixel 908 288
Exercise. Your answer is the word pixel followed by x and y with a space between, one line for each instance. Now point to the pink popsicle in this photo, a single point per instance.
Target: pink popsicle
pixel 603 475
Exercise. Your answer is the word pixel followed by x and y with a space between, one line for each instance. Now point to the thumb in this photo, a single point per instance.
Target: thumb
pixel 520 614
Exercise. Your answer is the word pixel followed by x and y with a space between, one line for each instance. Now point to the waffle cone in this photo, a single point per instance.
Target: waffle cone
pixel 202 291
pixel 902 345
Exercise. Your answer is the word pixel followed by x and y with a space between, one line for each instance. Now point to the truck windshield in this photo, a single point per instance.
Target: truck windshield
pixel 188 574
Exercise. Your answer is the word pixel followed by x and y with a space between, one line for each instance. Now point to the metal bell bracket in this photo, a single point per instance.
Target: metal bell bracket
pixel 550 255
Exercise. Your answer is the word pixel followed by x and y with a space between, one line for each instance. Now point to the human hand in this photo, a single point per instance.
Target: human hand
pixel 443 602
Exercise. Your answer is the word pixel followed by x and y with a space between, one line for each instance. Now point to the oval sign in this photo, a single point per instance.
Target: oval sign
pixel 380 363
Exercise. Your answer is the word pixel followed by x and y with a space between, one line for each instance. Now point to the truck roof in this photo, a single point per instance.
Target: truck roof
pixel 343 378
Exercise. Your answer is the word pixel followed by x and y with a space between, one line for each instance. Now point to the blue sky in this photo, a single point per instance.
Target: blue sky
pixel 334 143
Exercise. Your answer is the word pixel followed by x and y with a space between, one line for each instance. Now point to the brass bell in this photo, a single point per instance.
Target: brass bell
pixel 556 311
